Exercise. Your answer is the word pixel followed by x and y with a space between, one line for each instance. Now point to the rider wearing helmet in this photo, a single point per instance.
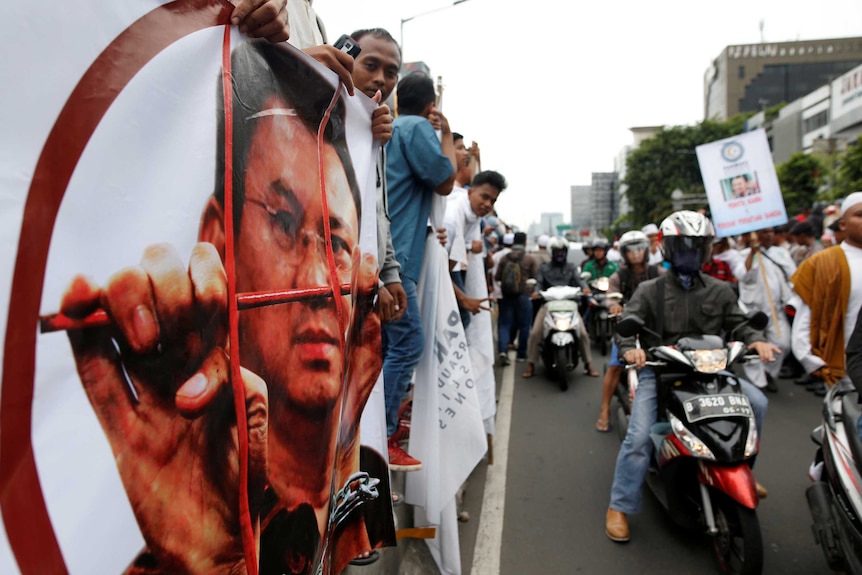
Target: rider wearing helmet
pixel 694 304
pixel 557 272
pixel 635 270
pixel 599 266
pixel 587 248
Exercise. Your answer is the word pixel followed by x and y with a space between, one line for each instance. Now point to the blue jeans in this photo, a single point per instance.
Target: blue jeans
pixel 514 311
pixel 458 280
pixel 634 457
pixel 402 349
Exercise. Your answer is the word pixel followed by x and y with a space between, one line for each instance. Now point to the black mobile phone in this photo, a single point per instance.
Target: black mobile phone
pixel 348 45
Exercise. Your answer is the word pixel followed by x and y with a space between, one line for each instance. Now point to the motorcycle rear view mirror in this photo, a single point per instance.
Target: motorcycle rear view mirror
pixel 630 326
pixel 586 276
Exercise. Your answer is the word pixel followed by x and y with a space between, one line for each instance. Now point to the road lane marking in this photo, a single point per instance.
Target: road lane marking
pixel 489 539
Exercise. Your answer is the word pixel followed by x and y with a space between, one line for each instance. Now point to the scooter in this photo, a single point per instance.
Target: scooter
pixel 560 333
pixel 705 440
pixel 834 498
pixel 600 325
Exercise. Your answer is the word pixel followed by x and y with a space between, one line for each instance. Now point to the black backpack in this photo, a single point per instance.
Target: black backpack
pixel 510 277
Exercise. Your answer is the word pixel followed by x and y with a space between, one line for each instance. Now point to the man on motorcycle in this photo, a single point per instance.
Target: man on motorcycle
pixel 633 250
pixel 557 272
pixel 693 304
pixel 600 266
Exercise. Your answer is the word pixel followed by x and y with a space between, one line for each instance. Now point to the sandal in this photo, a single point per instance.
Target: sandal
pixel 366 558
pixel 529 372
pixel 589 371
pixel 603 425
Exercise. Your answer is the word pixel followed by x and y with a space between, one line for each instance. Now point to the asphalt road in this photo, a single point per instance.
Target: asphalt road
pixel 558 477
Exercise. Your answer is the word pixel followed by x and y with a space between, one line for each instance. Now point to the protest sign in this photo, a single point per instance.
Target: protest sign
pixel 741 184
pixel 201 208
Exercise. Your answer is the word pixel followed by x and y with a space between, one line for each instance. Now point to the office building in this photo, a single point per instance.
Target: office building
pixel 749 78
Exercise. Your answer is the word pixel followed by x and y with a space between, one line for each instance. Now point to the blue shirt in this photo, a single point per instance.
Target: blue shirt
pixel 415 166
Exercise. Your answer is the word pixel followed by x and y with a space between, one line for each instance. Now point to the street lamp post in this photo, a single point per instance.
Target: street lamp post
pixel 408 19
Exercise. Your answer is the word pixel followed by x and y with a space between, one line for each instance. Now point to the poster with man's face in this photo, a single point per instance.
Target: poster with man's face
pixel 189 329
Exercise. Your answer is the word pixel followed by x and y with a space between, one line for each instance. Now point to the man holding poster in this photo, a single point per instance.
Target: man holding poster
pixel 741 184
pixel 157 377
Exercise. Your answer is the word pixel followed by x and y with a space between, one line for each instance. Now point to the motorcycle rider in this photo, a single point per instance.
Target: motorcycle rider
pixel 694 304
pixel 600 266
pixel 633 250
pixel 557 272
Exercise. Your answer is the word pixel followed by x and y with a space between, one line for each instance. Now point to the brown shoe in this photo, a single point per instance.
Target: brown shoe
pixel 761 490
pixel 617 526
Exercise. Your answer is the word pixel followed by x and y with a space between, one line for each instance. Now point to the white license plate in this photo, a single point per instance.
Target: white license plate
pixel 724 405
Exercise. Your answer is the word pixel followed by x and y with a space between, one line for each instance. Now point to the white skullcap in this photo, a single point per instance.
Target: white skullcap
pixel 850 201
pixel 508 239
pixel 542 240
pixel 650 229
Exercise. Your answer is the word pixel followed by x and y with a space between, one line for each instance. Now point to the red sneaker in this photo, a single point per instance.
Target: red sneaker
pixel 400 460
pixel 405 414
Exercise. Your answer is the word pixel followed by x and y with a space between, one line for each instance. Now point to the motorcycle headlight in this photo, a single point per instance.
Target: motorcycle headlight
pixel 751 440
pixel 707 360
pixel 697 447
pixel 602 284
pixel 563 323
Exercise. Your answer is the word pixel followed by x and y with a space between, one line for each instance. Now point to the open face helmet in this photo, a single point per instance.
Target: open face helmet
pixel 687 240
pixel 634 246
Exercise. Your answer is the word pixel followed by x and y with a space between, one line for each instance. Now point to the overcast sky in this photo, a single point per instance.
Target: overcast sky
pixel 549 89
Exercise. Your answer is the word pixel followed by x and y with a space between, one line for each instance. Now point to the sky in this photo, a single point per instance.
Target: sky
pixel 549 89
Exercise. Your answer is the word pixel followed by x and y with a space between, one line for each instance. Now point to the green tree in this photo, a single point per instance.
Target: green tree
pixel 800 178
pixel 849 174
pixel 667 161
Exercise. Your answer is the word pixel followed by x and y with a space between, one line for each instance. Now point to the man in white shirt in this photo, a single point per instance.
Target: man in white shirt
pixel 829 285
pixel 656 257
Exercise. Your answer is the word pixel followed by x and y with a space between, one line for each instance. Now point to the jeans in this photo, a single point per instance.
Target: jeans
pixel 402 349
pixel 634 457
pixel 514 311
pixel 458 280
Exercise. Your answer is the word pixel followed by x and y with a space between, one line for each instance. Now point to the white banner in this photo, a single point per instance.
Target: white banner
pixel 447 434
pixel 741 184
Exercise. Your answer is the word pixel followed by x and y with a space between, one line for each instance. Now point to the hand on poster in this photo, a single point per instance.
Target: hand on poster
pixel 262 19
pixel 163 398
pixel 339 62
pixel 381 121
pixel 363 345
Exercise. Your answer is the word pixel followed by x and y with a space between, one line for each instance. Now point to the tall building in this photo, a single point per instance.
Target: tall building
pixel 581 218
pixel 603 200
pixel 549 223
pixel 753 77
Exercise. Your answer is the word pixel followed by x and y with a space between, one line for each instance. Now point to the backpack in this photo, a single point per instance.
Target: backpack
pixel 510 278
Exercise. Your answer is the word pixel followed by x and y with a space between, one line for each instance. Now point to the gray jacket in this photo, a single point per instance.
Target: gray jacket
pixel 709 308
pixel 389 266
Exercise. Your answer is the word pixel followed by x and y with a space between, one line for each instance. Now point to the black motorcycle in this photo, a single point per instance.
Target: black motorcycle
pixel 834 498
pixel 706 439
pixel 601 322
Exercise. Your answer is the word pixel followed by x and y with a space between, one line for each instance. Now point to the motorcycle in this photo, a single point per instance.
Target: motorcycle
pixel 560 332
pixel 600 325
pixel 834 498
pixel 706 440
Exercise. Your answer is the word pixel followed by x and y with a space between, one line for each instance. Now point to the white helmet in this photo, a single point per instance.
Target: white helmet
pixel 558 243
pixel 687 231
pixel 633 240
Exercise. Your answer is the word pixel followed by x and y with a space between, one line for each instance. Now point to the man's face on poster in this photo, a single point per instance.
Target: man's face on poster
pixel 281 245
pixel 739 186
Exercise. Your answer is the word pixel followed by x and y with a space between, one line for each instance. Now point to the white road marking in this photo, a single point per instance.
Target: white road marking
pixel 489 539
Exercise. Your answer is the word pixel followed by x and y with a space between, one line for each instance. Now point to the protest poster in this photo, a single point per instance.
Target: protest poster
pixel 201 208
pixel 741 184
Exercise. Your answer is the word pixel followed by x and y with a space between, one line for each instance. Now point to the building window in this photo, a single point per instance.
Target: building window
pixel 741 73
pixel 816 121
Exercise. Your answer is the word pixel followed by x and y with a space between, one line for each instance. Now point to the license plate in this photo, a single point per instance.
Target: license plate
pixel 725 405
